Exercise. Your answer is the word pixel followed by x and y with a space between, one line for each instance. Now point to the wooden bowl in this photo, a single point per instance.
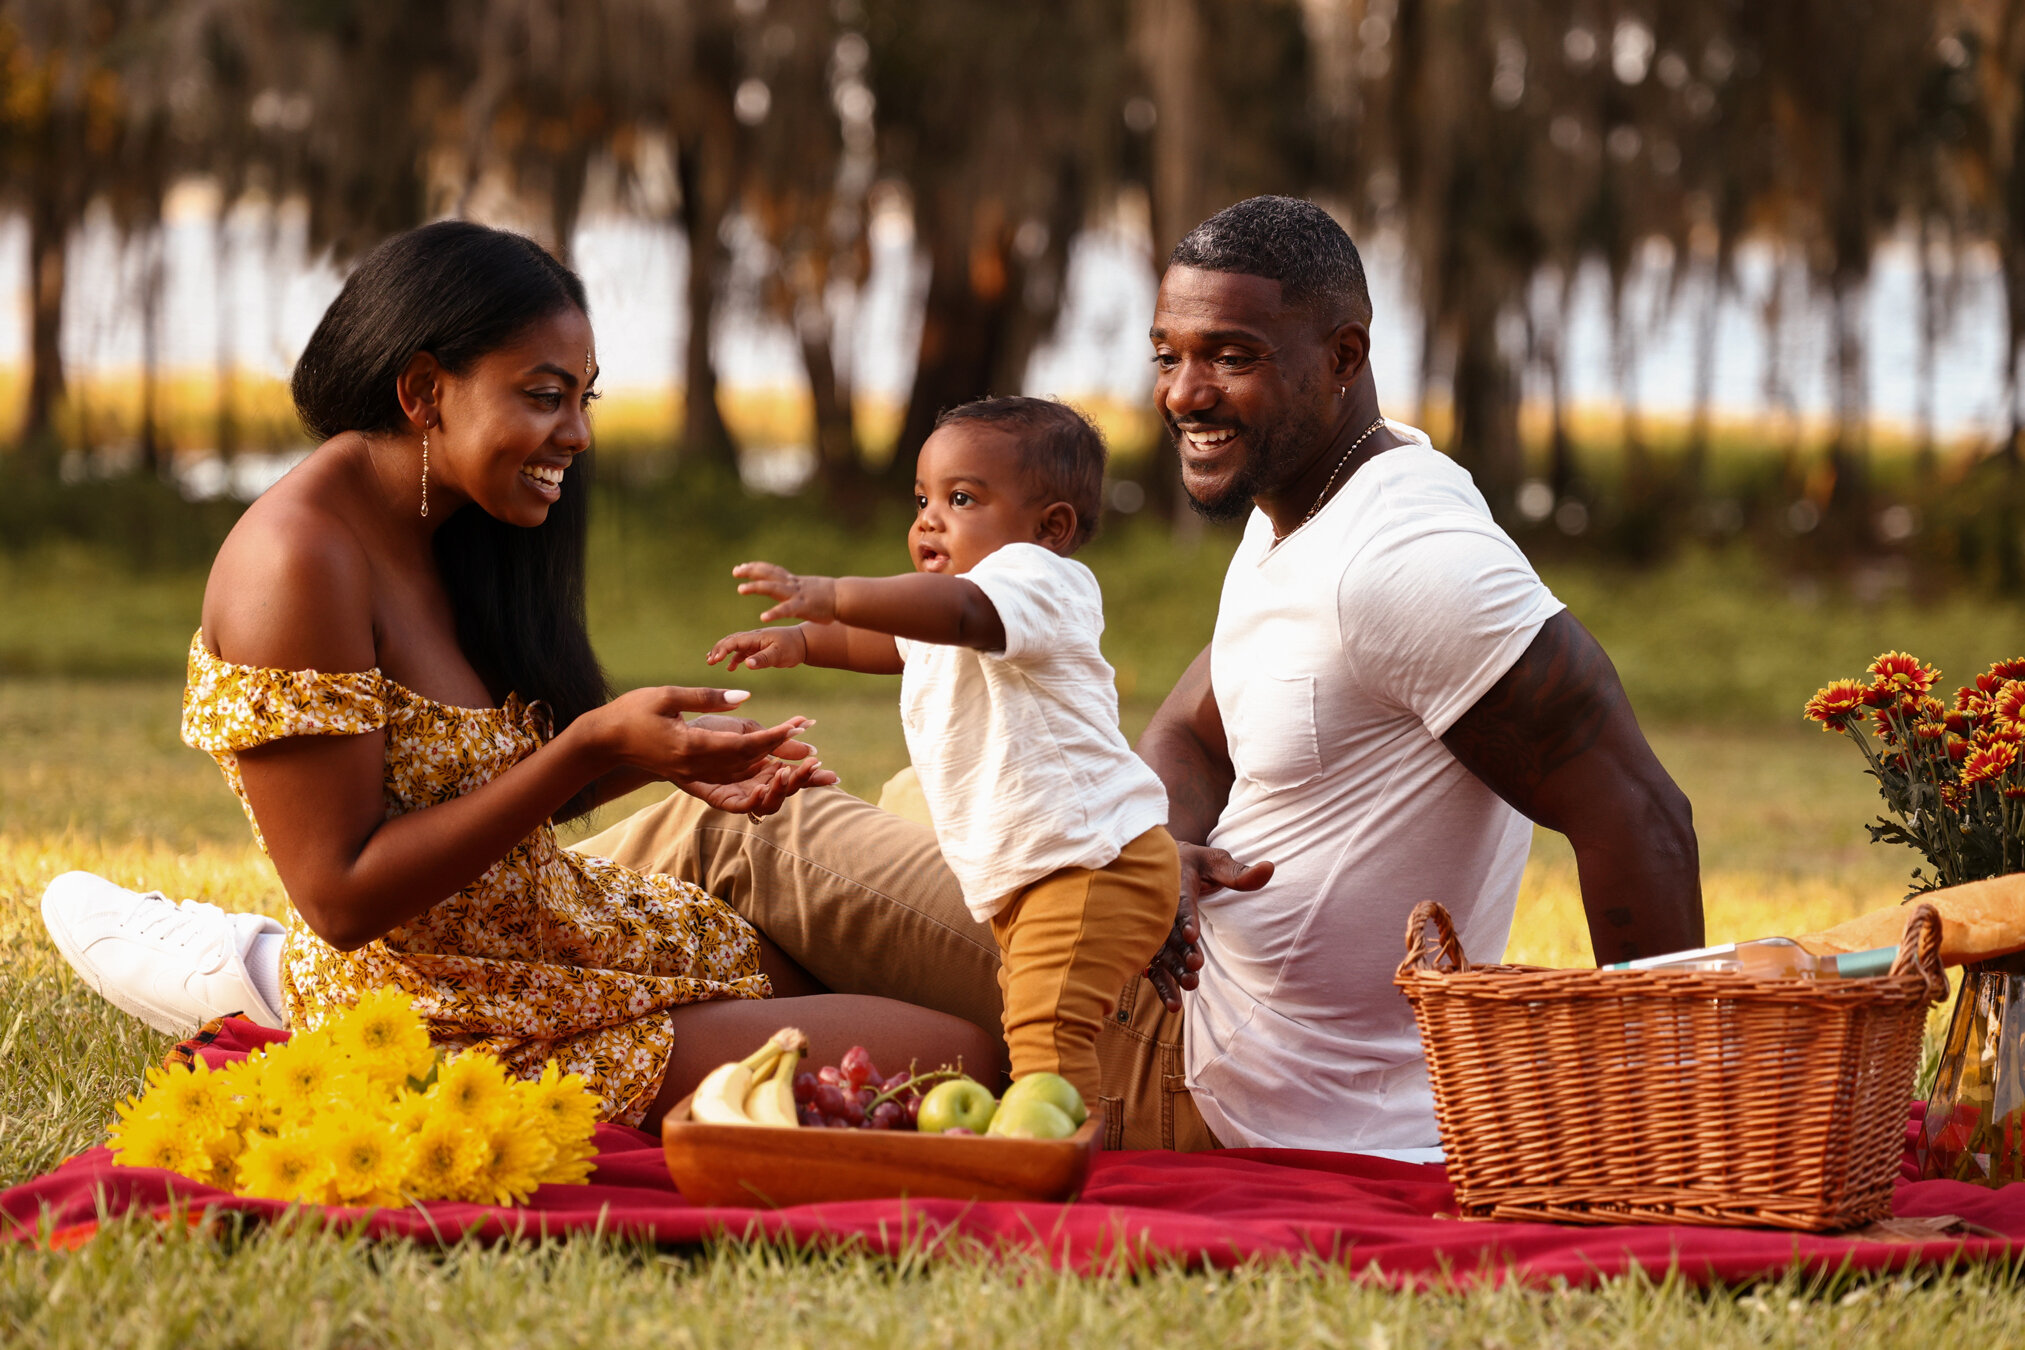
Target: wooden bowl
pixel 764 1167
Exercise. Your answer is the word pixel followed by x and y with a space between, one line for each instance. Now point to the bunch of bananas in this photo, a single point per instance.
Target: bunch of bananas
pixel 756 1090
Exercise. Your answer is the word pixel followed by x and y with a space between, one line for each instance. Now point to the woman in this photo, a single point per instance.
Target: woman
pixel 394 675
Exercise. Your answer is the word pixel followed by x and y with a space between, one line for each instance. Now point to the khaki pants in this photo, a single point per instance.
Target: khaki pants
pixel 1068 943
pixel 862 901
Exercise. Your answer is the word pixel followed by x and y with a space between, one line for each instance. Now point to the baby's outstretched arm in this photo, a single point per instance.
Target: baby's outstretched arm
pixel 822 642
pixel 921 606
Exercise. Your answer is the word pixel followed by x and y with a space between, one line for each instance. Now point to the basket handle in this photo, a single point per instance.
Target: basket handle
pixel 1919 951
pixel 1431 943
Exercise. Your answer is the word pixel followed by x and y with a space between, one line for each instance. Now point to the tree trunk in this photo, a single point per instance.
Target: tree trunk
pixel 1848 454
pixel 48 239
pixel 963 325
pixel 836 426
pixel 1705 381
pixel 705 200
pixel 1486 408
pixel 154 453
pixel 225 411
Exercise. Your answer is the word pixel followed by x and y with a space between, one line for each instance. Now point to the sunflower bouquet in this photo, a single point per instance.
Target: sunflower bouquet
pixel 362 1111
pixel 1952 776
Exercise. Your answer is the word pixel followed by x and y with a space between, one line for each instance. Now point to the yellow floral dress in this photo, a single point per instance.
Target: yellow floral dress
pixel 548 955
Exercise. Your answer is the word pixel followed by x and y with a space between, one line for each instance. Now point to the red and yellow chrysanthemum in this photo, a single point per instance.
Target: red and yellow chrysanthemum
pixel 1987 761
pixel 1902 674
pixel 1835 706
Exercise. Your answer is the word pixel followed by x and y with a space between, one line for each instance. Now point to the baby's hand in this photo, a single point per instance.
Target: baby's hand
pixel 811 598
pixel 761 649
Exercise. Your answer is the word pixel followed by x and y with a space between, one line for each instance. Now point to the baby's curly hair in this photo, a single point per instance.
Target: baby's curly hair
pixel 1061 449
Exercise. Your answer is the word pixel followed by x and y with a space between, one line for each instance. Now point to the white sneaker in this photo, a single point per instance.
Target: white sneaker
pixel 173 966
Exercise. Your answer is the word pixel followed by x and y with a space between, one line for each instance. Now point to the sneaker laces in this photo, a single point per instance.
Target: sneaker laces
pixel 181 922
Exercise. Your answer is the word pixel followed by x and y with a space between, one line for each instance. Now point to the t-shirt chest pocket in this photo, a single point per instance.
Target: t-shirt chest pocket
pixel 1275 728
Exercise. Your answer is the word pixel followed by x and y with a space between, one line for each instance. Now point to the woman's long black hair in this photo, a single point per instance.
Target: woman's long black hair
pixel 459 291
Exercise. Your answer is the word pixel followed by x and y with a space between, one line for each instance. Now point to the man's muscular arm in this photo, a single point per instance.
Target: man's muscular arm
pixel 1556 738
pixel 1184 744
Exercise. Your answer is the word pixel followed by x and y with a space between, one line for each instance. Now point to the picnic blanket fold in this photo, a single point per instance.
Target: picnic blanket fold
pixel 1386 1220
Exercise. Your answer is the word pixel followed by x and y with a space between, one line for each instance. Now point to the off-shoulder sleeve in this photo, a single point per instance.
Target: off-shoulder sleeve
pixel 228 708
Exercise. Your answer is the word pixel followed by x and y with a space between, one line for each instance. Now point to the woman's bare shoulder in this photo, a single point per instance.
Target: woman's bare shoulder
pixel 291 588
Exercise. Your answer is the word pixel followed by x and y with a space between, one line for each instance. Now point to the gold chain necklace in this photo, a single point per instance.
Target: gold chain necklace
pixel 1324 495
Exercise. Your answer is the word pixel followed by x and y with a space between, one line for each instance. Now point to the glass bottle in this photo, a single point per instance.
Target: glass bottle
pixel 1772 958
pixel 1974 1129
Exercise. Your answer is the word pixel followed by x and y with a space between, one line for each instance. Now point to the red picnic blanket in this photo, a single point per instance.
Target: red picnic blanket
pixel 1383 1219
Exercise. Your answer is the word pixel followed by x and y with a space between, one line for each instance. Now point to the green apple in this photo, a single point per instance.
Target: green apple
pixel 1053 1089
pixel 959 1103
pixel 1031 1119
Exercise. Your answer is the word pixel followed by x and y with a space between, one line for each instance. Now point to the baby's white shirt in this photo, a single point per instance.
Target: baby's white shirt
pixel 1020 758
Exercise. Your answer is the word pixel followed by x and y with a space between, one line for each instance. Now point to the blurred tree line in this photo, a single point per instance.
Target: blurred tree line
pixel 1508 143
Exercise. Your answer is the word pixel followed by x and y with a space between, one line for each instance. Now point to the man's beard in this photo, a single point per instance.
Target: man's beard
pixel 1276 457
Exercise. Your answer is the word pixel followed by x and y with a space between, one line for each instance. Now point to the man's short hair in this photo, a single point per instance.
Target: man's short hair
pixel 1288 240
pixel 1061 451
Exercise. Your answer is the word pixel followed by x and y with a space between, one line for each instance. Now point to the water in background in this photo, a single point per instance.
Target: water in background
pixel 251 294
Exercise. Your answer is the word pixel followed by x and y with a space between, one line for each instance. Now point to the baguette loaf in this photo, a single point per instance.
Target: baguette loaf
pixel 1980 920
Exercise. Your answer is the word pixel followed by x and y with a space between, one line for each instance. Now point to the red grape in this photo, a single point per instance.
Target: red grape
pixel 830 1073
pixel 830 1099
pixel 805 1087
pixel 808 1115
pixel 857 1066
pixel 889 1115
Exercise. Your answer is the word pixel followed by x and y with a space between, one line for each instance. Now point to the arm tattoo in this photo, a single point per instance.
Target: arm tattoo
pixel 1544 712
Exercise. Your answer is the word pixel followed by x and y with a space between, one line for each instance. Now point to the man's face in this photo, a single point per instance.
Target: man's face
pixel 1243 382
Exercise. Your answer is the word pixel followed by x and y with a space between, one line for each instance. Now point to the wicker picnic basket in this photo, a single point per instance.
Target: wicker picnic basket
pixel 1590 1096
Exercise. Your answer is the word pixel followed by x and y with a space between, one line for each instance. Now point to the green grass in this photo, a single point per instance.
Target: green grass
pixel 137 1285
pixel 92 775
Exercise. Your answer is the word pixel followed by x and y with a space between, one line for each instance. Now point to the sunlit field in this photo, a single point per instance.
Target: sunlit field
pixel 92 776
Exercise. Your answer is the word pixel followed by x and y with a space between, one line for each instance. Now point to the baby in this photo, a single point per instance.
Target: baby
pixel 1053 827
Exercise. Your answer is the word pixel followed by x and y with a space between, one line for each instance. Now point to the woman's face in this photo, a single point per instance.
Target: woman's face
pixel 510 426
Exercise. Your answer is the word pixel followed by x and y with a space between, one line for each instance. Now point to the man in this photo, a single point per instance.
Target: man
pixel 1390 694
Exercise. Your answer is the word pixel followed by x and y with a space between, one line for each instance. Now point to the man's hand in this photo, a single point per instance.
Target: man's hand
pixel 1202 870
pixel 811 598
pixel 761 649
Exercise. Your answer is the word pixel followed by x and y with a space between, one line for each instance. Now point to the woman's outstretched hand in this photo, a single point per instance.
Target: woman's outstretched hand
pixel 761 649
pixel 645 729
pixel 811 598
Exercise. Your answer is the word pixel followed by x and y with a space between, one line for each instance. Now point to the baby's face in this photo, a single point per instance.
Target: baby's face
pixel 971 498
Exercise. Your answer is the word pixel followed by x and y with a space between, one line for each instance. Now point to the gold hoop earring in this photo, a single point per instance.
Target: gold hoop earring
pixel 425 473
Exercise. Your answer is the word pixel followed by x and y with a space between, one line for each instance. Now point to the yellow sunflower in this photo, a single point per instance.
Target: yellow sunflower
pixel 408 1111
pixel 367 1158
pixel 383 1035
pixel 144 1139
pixel 286 1166
pixel 192 1099
pixel 442 1158
pixel 472 1089
pixel 514 1160
pixel 299 1079
pixel 559 1104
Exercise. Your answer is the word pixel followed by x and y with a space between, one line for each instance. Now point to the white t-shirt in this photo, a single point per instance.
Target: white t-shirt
pixel 1021 761
pixel 1341 656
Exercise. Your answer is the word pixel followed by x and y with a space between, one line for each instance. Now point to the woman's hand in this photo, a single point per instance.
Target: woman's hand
pixel 811 598
pixel 761 649
pixel 645 729
pixel 763 793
